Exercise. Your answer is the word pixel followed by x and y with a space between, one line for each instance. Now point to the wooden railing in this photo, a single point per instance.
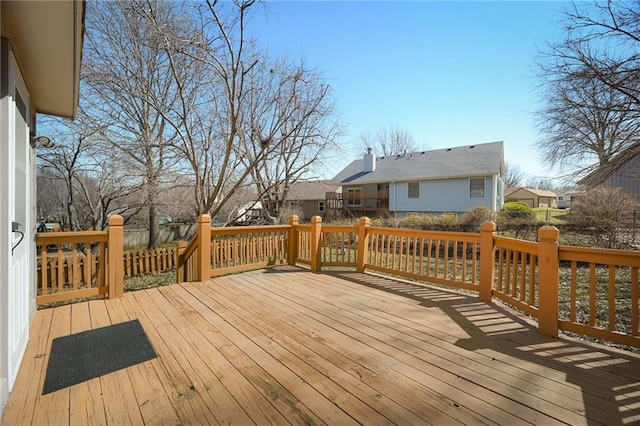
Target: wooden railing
pixel 245 248
pixel 449 258
pixel 516 280
pixel 607 280
pixel 301 244
pixel 149 262
pixel 73 265
pixel 591 292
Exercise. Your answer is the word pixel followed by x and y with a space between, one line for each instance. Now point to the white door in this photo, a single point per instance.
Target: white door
pixel 19 192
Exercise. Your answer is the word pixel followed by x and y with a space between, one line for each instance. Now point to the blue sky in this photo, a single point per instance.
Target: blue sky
pixel 452 73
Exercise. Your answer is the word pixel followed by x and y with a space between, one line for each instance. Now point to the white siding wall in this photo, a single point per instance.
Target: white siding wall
pixel 440 196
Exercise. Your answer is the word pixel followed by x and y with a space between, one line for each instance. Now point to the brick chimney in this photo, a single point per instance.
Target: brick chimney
pixel 369 161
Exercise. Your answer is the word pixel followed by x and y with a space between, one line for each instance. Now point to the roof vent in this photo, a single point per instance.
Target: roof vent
pixel 423 152
pixel 472 146
pixel 448 149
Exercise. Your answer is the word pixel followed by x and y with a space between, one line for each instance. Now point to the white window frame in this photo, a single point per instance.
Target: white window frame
pixel 409 184
pixel 353 200
pixel 484 186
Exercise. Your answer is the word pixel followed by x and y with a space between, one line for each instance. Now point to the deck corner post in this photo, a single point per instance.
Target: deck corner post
pixel 316 237
pixel 548 280
pixel 115 256
pixel 204 247
pixel 293 240
pixel 180 264
pixel 487 259
pixel 363 243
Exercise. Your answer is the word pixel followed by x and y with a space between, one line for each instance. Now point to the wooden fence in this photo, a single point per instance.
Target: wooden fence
pixel 587 291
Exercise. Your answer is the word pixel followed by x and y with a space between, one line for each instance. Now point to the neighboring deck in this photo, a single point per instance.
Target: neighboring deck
pixel 286 346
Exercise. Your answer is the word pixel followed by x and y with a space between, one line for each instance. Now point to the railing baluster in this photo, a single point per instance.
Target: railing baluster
pixel 612 297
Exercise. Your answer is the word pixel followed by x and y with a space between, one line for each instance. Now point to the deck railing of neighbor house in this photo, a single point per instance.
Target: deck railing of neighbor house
pixel 535 277
pixel 74 265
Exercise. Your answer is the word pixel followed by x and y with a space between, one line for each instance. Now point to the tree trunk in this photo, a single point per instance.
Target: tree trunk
pixel 152 203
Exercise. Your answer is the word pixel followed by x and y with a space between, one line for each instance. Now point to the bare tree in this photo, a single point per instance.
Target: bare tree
pixel 540 182
pixel 210 60
pixel 585 123
pixel 514 176
pixel 241 117
pixel 290 125
pixel 87 183
pixel 126 75
pixel 63 163
pixel 391 140
pixel 51 197
pixel 592 86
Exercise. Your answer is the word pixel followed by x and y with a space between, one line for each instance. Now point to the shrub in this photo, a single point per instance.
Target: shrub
pixel 603 211
pixel 472 219
pixel 516 211
pixel 416 221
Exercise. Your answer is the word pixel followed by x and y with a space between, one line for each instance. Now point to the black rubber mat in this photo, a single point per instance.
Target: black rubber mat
pixel 83 356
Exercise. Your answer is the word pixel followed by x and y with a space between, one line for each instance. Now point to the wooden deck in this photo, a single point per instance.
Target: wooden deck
pixel 286 346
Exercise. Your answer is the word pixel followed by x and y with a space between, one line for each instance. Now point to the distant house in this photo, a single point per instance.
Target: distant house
pixel 623 171
pixel 247 213
pixel 532 197
pixel 566 198
pixel 450 180
pixel 310 197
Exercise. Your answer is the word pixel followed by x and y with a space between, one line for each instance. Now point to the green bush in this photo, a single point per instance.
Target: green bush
pixel 516 211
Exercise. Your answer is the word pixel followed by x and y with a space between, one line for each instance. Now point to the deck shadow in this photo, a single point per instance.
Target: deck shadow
pixel 498 328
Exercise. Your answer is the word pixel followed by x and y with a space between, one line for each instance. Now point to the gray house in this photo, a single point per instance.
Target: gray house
pixel 449 180
pixel 310 197
pixel 623 171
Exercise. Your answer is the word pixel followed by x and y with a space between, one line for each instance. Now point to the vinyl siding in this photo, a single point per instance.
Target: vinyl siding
pixel 437 196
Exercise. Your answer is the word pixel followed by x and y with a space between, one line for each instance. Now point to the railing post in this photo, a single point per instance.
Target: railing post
pixel 316 236
pixel 115 256
pixel 180 267
pixel 548 264
pixel 293 240
pixel 363 242
pixel 487 259
pixel 204 247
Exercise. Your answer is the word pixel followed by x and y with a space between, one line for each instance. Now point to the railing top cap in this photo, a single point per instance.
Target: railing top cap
pixel 116 220
pixel 548 232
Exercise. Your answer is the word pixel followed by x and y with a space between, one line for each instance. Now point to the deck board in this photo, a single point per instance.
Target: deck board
pixel 286 346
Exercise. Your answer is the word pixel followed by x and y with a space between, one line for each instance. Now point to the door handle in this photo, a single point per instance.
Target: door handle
pixel 15 228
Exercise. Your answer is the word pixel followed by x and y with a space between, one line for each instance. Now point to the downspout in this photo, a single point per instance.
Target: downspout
pixel 495 193
pixel 395 209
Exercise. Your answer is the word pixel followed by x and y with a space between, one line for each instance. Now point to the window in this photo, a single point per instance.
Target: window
pixel 320 206
pixel 354 196
pixel 414 190
pixel 476 188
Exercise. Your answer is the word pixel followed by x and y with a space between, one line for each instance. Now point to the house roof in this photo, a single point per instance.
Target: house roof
pixel 46 39
pixel 311 190
pixel 534 191
pixel 447 163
